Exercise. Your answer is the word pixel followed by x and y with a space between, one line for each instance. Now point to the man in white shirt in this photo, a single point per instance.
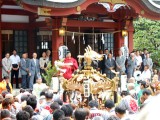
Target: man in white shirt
pixel 94 111
pixel 147 96
pixel 125 51
pixel 138 59
pixel 110 107
pixel 15 59
pixel 146 74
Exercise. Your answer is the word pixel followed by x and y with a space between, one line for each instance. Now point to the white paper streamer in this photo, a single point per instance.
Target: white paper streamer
pixel 95 39
pixel 73 38
pixel 102 38
pixel 84 40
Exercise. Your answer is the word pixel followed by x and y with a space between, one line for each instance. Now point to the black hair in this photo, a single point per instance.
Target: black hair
pixel 23 115
pixel 113 117
pixel 42 93
pixel 100 50
pixel 49 94
pixel 144 49
pixel 106 49
pixel 80 114
pixel 22 90
pixel 6 102
pixel 14 50
pixel 5 113
pixel 147 92
pixel 59 101
pixel 58 115
pixel 32 101
pixel 6 77
pixel 67 109
pixel 54 106
pixel 4 93
pixel 124 93
pixel 109 104
pixel 143 83
pixel 29 109
pixel 29 90
pixel 68 52
pixel 93 103
pixel 24 98
pixel 120 109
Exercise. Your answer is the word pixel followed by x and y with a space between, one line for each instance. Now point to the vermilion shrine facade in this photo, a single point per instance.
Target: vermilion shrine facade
pixel 32 25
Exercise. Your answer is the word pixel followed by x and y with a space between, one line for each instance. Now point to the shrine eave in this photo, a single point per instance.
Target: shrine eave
pixel 142 7
pixel 145 8
pixel 51 11
pixel 45 3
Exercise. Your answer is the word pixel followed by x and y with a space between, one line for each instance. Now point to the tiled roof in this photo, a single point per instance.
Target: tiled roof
pixel 53 4
pixel 153 5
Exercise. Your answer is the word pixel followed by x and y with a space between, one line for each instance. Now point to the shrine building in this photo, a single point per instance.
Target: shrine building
pixel 34 25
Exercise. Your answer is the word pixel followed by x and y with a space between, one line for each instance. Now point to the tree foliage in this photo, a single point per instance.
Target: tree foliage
pixel 147 35
pixel 50 72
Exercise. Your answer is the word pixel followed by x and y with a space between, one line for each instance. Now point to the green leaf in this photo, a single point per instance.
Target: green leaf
pixel 147 35
pixel 50 72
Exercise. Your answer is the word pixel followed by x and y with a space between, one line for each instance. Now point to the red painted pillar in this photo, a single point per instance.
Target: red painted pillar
pixel 130 37
pixel 0 49
pixel 31 37
pixel 118 39
pixel 31 42
pixel 56 39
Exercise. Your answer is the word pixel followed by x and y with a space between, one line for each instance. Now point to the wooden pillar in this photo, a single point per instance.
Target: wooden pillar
pixel 31 37
pixel 130 36
pixel 130 41
pixel 118 39
pixel 0 48
pixel 56 39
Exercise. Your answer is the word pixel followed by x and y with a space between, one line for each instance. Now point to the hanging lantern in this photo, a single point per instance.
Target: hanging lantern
pixel 124 33
pixel 62 31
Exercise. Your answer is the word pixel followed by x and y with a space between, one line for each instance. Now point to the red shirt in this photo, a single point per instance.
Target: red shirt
pixel 70 69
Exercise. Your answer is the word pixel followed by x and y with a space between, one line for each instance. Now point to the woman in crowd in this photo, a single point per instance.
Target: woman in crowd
pixel 5 85
pixel 38 87
pixel 48 55
pixel 43 61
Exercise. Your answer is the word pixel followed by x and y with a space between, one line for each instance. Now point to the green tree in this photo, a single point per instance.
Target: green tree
pixel 147 35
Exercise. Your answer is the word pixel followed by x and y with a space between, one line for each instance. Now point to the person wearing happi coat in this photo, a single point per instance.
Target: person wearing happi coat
pixel 71 67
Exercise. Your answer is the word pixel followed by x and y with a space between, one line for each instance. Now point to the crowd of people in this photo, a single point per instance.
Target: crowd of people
pixel 30 69
pixel 134 62
pixel 44 104
pixel 37 101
